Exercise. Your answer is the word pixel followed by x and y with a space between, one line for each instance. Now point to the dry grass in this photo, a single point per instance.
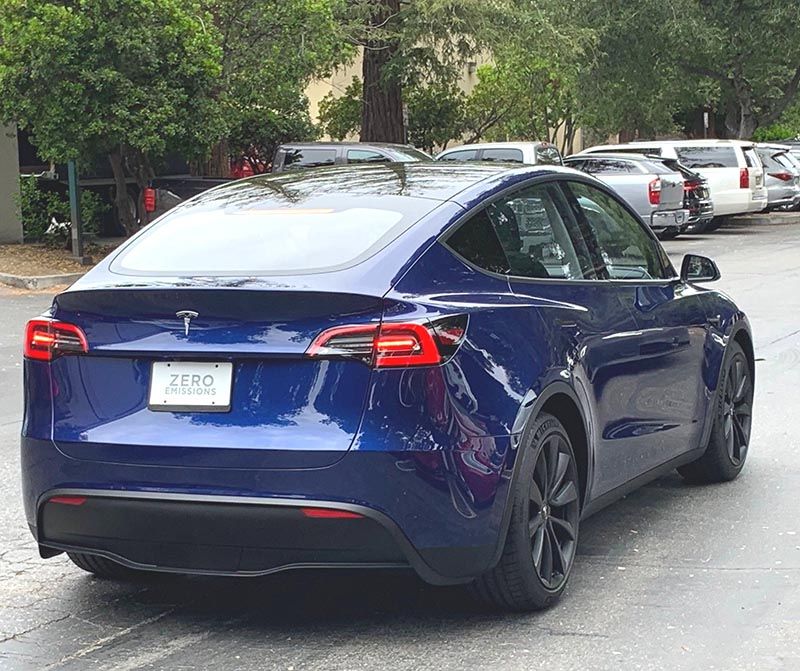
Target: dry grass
pixel 33 259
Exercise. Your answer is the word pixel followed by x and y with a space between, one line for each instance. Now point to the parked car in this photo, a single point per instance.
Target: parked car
pixel 782 176
pixel 696 195
pixel 733 170
pixel 379 366
pixel 315 154
pixel 653 190
pixel 529 153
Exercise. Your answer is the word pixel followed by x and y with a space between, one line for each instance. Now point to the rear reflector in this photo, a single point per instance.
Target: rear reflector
pixel 393 345
pixel 330 514
pixel 68 500
pixel 45 339
pixel 744 178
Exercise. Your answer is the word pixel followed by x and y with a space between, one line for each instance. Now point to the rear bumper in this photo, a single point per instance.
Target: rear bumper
pixel 668 219
pixel 418 510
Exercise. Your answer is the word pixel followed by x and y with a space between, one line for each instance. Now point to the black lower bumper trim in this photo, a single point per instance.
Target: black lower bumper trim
pixel 210 537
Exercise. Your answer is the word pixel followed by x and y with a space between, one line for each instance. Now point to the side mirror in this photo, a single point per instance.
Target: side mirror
pixel 696 268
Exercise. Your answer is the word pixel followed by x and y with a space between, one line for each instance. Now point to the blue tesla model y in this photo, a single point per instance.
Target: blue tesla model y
pixel 437 366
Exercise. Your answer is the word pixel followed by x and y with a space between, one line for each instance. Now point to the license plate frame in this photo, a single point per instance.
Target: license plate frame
pixel 188 384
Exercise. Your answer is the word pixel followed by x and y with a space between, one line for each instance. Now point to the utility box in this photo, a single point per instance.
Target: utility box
pixel 10 221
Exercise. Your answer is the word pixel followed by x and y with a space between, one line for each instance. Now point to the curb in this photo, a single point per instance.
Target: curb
pixel 38 282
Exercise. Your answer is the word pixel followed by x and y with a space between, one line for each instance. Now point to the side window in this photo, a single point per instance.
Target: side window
pixel 628 251
pixel 461 155
pixel 365 156
pixel 506 155
pixel 531 234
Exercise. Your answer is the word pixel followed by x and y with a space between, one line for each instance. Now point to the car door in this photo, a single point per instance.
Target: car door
pixel 588 330
pixel 667 398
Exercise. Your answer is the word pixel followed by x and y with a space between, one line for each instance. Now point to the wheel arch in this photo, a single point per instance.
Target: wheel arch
pixel 560 400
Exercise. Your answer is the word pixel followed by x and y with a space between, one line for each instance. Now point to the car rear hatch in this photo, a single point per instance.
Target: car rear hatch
pixel 286 410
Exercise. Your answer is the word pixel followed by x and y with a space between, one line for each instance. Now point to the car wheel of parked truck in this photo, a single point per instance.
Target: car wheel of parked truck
pixel 543 532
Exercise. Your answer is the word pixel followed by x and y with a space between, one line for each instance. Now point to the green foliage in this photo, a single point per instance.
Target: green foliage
pixel 435 115
pixel 340 116
pixel 270 51
pixel 39 206
pixel 89 76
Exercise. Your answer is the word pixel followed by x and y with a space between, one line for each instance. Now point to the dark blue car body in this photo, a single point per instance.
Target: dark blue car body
pixel 424 455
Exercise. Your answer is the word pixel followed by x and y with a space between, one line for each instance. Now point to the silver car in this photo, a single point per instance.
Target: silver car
pixel 781 176
pixel 653 190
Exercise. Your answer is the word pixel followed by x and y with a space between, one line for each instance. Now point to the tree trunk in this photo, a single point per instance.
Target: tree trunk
pixel 144 174
pixel 741 118
pixel 382 109
pixel 121 198
pixel 217 165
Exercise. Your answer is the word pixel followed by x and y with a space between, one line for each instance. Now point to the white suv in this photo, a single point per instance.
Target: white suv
pixel 734 172
pixel 530 153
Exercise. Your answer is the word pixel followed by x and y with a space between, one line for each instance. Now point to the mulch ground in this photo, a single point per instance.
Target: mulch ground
pixel 34 259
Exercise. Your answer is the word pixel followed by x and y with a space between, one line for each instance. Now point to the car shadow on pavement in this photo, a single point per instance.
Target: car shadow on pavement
pixel 300 601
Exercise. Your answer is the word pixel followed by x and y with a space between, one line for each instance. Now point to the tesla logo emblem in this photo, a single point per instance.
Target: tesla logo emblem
pixel 187 316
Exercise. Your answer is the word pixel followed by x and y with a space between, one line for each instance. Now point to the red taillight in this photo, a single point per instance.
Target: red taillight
pixel 393 345
pixel 654 191
pixel 688 187
pixel 783 176
pixel 330 514
pixel 744 178
pixel 149 197
pixel 45 339
pixel 68 500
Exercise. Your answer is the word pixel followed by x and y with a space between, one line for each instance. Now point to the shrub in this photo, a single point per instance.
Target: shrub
pixel 39 206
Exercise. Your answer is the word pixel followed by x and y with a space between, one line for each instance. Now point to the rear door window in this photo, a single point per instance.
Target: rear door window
pixel 308 157
pixel 251 235
pixel 460 155
pixel 502 154
pixel 529 234
pixel 710 156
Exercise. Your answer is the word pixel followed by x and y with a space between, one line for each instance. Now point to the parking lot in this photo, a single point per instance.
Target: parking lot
pixel 673 576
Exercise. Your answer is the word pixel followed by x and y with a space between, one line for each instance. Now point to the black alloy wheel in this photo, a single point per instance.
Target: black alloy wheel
pixel 737 409
pixel 729 442
pixel 553 512
pixel 542 536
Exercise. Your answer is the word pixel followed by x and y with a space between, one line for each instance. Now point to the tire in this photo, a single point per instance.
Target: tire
pixel 714 224
pixel 104 568
pixel 544 522
pixel 728 444
pixel 668 235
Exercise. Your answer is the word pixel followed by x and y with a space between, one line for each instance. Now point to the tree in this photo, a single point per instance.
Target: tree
pixel 340 116
pixel 435 115
pixel 414 43
pixel 122 78
pixel 270 51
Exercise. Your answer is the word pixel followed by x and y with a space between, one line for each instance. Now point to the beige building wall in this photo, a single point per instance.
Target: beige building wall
pixel 10 222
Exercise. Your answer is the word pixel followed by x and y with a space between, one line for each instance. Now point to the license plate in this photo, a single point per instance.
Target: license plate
pixel 190 386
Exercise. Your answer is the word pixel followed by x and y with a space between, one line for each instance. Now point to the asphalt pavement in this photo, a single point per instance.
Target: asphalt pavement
pixel 671 577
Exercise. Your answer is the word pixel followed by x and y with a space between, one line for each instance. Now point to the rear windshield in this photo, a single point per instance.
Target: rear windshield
pixel 305 157
pixel 408 155
pixel 252 236
pixel 503 154
pixel 713 156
